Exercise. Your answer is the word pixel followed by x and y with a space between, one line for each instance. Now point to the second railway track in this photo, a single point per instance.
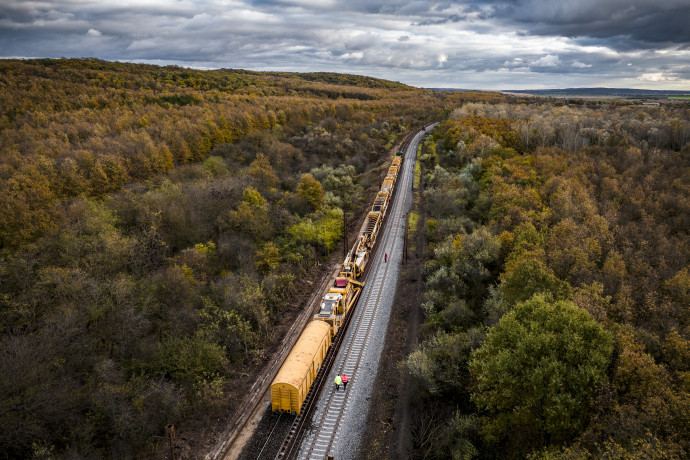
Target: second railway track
pixel 322 414
pixel 338 417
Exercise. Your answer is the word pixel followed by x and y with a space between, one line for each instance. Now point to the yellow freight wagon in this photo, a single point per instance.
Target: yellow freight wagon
pixel 291 386
pixel 295 377
pixel 387 186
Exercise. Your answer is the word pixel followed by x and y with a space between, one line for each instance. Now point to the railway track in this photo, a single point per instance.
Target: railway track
pixel 335 409
pixel 291 438
pixel 258 393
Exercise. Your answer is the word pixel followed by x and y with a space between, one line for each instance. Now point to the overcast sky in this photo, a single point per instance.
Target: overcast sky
pixel 476 44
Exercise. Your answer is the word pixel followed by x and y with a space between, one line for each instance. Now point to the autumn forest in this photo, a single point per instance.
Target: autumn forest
pixel 155 223
pixel 557 284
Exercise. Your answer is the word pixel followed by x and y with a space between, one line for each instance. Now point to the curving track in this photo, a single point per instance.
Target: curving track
pixel 260 391
pixel 368 321
pixel 339 417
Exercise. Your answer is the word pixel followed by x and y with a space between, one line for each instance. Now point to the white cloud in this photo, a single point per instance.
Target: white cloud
pixel 656 77
pixel 311 4
pixel 550 60
pixel 581 65
pixel 94 33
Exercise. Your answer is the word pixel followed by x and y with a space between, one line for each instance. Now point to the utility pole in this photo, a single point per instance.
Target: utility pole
pixel 344 235
pixel 407 224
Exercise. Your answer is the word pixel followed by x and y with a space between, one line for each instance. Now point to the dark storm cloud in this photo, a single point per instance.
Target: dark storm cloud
pixel 451 18
pixel 645 23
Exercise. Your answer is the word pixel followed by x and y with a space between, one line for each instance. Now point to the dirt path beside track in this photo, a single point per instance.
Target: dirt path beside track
pixel 388 421
pixel 230 443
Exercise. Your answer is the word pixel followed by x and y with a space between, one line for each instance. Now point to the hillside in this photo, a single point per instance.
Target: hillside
pixel 556 285
pixel 156 227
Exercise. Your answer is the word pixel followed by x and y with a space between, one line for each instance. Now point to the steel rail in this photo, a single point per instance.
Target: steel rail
pixel 322 442
pixel 257 392
pixel 291 445
pixel 269 436
pixel 356 351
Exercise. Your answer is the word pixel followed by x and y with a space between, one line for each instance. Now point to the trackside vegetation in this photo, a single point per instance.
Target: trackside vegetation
pixel 156 228
pixel 556 284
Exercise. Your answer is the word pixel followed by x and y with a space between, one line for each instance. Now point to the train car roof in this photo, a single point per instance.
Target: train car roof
pixel 299 360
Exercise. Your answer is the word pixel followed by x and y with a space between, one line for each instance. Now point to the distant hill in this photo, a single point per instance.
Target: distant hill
pixel 154 238
pixel 612 92
pixel 585 92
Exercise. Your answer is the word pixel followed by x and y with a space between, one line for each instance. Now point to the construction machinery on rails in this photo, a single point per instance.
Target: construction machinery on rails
pixel 294 379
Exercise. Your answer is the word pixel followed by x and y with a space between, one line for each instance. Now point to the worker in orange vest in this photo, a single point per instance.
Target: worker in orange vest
pixel 385 257
pixel 345 380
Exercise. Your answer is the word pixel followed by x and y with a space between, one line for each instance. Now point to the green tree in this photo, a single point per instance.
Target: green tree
pixel 439 365
pixel 529 277
pixel 268 258
pixel 262 172
pixel 323 229
pixel 187 359
pixel 310 190
pixel 536 372
pixel 215 166
pixel 251 216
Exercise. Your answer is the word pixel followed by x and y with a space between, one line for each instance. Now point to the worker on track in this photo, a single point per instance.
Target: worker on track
pixel 338 381
pixel 345 379
pixel 385 258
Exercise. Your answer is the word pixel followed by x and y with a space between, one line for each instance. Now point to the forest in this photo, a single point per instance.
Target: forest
pixel 556 284
pixel 156 226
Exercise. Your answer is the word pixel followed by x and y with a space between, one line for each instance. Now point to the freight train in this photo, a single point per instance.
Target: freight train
pixel 291 385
